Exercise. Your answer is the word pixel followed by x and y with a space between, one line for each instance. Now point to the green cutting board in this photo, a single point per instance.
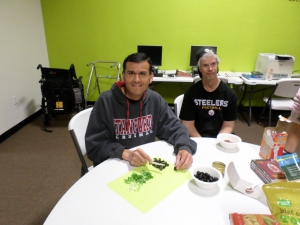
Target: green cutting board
pixel 155 190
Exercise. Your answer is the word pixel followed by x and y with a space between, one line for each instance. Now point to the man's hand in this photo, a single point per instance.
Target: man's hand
pixel 184 160
pixel 136 157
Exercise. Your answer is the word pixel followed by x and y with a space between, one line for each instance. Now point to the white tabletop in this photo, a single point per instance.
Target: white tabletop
pixel 166 78
pixel 258 82
pixel 234 80
pixel 91 201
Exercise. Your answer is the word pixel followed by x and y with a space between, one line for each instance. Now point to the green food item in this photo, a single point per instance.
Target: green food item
pixel 137 180
pixel 268 220
pixel 283 201
pixel 159 163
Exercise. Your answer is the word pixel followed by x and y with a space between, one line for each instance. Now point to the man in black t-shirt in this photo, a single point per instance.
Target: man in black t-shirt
pixel 209 106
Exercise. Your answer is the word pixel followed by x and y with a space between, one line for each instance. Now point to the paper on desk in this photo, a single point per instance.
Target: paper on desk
pixel 234 74
pixel 155 190
pixel 240 185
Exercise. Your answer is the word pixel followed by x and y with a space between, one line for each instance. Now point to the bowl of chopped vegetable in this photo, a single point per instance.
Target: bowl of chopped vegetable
pixel 206 177
pixel 229 141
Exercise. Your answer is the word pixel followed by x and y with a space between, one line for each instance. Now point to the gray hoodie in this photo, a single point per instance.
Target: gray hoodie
pixel 117 123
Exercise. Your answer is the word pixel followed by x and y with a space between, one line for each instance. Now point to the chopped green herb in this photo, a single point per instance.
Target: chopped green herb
pixel 136 181
pixel 159 164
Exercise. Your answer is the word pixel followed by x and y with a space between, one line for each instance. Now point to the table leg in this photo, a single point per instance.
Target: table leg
pixel 251 92
pixel 249 102
pixel 244 94
pixel 241 104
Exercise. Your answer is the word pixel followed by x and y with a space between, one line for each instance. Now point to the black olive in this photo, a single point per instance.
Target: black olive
pixel 205 177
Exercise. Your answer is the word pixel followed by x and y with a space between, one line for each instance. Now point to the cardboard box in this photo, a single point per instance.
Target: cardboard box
pixel 274 139
pixel 239 184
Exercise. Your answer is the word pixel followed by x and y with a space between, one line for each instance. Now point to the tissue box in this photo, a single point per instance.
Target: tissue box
pixel 274 139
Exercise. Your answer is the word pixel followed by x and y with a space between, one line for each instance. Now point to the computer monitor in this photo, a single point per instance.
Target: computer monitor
pixel 194 50
pixel 154 52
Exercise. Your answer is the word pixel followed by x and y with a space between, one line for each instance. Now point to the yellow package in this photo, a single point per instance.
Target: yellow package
pixel 284 201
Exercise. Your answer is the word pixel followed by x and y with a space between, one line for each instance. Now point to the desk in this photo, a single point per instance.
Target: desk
pixel 253 84
pixel 166 78
pixel 91 201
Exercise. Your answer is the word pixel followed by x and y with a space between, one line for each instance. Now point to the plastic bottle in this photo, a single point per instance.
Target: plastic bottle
pixel 270 76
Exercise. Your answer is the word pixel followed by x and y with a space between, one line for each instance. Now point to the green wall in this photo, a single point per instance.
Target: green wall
pixel 80 32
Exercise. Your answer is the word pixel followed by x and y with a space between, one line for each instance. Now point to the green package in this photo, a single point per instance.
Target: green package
pixel 290 165
pixel 283 201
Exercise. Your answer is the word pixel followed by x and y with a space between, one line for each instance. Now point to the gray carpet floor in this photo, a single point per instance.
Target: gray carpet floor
pixel 37 168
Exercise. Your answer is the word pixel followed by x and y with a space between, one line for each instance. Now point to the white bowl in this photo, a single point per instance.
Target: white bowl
pixel 212 172
pixel 229 141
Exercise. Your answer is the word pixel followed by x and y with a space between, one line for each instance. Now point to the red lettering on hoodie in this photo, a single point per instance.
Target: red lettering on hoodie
pixel 132 126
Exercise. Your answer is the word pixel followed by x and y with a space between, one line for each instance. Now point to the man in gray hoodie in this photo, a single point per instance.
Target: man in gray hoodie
pixel 130 114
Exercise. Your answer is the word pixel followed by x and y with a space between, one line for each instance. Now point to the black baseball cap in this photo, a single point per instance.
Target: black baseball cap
pixel 204 50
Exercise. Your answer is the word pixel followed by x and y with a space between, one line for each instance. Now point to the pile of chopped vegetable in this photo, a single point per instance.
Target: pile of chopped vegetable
pixel 159 163
pixel 137 180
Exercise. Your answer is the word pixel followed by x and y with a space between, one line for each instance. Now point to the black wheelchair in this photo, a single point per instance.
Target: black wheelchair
pixel 62 92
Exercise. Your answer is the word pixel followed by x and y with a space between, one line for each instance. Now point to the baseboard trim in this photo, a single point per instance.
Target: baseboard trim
pixel 17 127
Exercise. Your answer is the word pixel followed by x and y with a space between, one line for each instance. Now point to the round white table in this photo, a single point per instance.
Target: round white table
pixel 91 201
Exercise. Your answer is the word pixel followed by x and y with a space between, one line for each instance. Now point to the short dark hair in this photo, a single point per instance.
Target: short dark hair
pixel 138 57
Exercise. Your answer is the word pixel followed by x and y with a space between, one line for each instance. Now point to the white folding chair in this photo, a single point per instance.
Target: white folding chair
pixel 177 104
pixel 196 79
pixel 282 96
pixel 77 128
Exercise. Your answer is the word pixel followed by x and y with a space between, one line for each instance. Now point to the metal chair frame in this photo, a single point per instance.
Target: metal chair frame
pixel 94 73
pixel 281 97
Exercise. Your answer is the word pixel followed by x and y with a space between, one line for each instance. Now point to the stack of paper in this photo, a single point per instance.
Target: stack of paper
pixel 234 74
pixel 253 77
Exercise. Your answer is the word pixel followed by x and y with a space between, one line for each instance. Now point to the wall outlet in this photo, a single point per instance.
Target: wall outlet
pixel 241 88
